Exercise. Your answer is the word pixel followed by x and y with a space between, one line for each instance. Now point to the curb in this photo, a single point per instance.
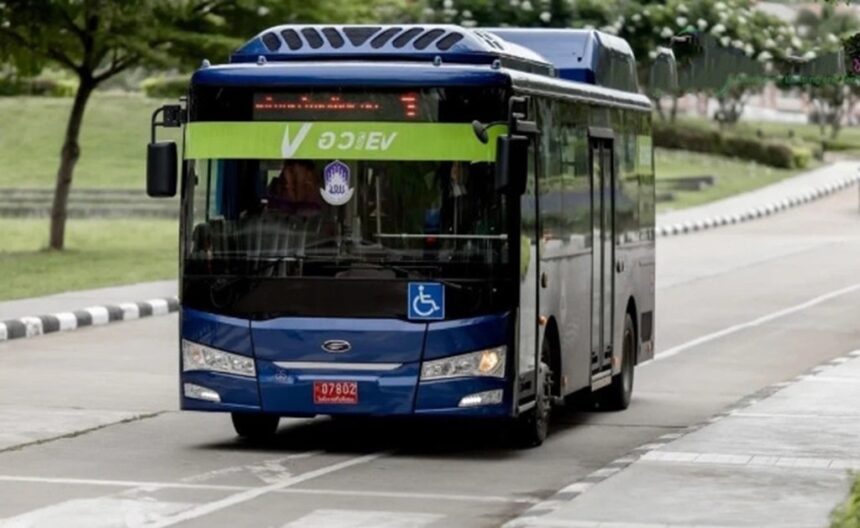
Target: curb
pixel 578 487
pixel 756 212
pixel 93 316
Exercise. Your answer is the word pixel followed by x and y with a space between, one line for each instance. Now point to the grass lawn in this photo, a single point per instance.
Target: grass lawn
pixel 849 136
pixel 100 253
pixel 113 140
pixel 733 176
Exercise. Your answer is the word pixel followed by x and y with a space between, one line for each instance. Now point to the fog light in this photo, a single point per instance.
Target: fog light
pixel 201 393
pixel 482 398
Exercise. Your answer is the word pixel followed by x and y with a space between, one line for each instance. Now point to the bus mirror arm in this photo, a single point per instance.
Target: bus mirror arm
pixel 161 156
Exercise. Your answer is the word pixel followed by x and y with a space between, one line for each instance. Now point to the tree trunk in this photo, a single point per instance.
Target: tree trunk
pixel 673 110
pixel 69 155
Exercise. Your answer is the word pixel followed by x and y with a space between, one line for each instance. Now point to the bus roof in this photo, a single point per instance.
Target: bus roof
pixel 584 56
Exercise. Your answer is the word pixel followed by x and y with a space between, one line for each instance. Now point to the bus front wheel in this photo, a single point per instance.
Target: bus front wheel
pixel 533 426
pixel 255 426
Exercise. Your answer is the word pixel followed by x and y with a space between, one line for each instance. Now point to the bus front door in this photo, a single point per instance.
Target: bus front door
pixel 603 256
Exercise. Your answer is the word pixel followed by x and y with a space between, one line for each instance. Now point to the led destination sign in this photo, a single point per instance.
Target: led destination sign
pixel 329 106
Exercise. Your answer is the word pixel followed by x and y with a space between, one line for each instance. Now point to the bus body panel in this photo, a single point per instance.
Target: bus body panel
pixel 230 334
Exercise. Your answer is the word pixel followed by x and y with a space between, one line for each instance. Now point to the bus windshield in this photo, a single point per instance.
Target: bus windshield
pixel 345 218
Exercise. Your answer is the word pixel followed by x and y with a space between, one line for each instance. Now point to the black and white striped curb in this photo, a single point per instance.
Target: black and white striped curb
pixel 574 490
pixel 762 211
pixel 92 316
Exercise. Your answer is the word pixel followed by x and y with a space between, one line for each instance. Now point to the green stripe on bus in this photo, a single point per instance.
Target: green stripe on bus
pixel 339 140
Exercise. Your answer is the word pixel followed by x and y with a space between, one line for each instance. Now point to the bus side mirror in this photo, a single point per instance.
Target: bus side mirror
pixel 161 173
pixel 512 155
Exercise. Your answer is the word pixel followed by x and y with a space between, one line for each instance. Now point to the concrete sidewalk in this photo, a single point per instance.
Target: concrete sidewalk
pixel 779 459
pixel 761 202
pixel 76 300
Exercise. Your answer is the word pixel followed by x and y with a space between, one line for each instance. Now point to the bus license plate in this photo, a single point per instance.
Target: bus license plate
pixel 336 392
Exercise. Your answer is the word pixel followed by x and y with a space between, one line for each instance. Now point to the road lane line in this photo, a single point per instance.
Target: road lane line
pixel 674 351
pixel 119 483
pixel 251 494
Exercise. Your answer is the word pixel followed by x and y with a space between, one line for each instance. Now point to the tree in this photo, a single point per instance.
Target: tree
pixel 97 39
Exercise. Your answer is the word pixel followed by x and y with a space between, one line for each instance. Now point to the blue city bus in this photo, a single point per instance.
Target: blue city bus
pixel 412 220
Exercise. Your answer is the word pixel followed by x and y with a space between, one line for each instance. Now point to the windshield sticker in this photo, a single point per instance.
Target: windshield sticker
pixel 340 140
pixel 336 190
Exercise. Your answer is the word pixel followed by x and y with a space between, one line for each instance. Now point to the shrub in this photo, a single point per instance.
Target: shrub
pixel 162 87
pixel 772 153
pixel 848 514
pixel 41 86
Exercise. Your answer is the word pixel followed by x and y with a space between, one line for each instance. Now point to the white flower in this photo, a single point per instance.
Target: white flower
pixel 526 6
pixel 667 33
pixel 737 43
pixel 545 17
pixel 795 42
pixel 515 3
pixel 636 17
pixel 609 29
pixel 809 55
pixel 652 54
pixel 725 41
pixel 748 49
pixel 769 43
pixel 428 12
pixel 722 16
pixel 681 8
pixel 682 22
pixel 720 6
pixel 589 27
pixel 467 14
pixel 263 11
pixel 448 4
pixel 833 39
pixel 468 23
pixel 742 20
pixel 718 30
pixel 764 56
pixel 702 24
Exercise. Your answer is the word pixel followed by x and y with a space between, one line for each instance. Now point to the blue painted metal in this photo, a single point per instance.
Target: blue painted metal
pixel 298 42
pixel 359 73
pixel 235 391
pixel 449 338
pixel 371 340
pixel 580 55
pixel 217 331
pixel 443 396
pixel 381 393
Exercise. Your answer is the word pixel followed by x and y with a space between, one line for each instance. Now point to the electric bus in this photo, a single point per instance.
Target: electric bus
pixel 422 220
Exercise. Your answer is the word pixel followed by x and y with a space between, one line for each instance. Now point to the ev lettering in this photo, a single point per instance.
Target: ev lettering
pixel 355 140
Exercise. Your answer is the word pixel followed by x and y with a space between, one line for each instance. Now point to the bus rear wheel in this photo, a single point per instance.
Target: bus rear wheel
pixel 255 427
pixel 617 396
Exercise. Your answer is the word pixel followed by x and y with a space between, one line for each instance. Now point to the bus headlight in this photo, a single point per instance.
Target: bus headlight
pixel 489 362
pixel 200 357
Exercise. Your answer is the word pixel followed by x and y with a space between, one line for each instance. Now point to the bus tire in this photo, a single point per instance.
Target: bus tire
pixel 532 427
pixel 617 396
pixel 255 426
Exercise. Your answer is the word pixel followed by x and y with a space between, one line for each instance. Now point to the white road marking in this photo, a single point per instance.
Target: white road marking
pixel 674 351
pixel 408 495
pixel 251 494
pixel 95 513
pixel 118 483
pixel 363 519
pixel 680 457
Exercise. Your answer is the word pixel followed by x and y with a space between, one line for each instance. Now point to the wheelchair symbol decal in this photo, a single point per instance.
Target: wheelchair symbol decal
pixel 426 300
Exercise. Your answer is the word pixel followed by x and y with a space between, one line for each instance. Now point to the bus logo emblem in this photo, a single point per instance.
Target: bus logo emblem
pixel 336 190
pixel 336 346
pixel 426 301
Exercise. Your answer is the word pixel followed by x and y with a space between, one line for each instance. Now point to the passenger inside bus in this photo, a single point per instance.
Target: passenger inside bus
pixel 295 190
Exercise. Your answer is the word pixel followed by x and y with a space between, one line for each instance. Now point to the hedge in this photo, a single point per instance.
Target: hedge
pixel 42 86
pixel 165 87
pixel 772 153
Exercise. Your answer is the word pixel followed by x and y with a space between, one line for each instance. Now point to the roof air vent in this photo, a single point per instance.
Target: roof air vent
pixel 358 35
pixel 425 39
pixel 271 41
pixel 313 38
pixel 333 37
pixel 292 38
pixel 383 38
pixel 406 36
pixel 449 40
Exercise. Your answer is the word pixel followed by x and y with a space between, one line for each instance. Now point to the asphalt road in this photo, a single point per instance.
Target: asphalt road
pixel 739 308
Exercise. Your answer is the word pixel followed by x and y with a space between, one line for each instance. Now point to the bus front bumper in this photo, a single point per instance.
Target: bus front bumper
pixel 294 390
